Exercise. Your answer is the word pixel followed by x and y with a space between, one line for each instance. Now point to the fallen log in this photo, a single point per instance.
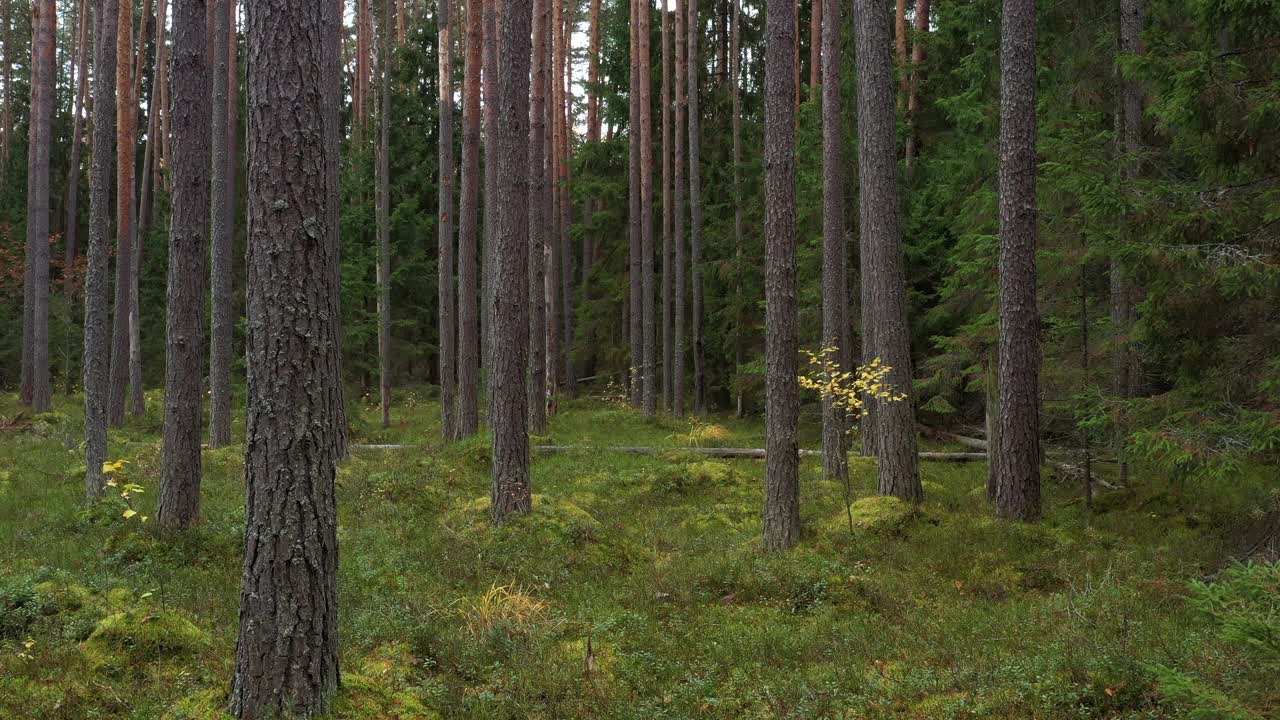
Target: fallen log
pixel 727 453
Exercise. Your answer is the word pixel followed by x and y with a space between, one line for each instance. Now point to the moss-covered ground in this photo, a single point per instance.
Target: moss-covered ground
pixel 636 588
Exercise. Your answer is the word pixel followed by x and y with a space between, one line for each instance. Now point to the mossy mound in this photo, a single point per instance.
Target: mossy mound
pixel 876 515
pixel 57 596
pixel 685 478
pixel 365 698
pixel 135 638
pixel 552 517
pixel 205 705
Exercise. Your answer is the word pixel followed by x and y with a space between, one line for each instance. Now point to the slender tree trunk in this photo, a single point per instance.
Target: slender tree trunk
pixel 511 493
pixel 6 102
pixel 816 41
pixel 835 273
pixel 884 286
pixel 635 379
pixel 917 70
pixel 695 211
pixel 677 231
pixel 1016 457
pixel 538 218
pixel 554 90
pixel 71 231
pixel 448 312
pixel 287 653
pixel 740 320
pixel 137 400
pixel 468 313
pixel 489 79
pixel 646 216
pixel 97 349
pixel 400 21
pixel 667 211
pixel 384 217
pixel 36 388
pixel 593 74
pixel 188 262
pixel 222 227
pixel 900 49
pixel 1123 290
pixel 565 117
pixel 162 79
pixel 782 396
pixel 125 141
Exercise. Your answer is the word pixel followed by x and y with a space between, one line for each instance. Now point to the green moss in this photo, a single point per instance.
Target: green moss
pixel 57 596
pixel 205 705
pixel 878 514
pixel 133 638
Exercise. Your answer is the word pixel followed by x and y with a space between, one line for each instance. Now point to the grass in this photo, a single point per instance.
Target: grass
pixel 635 589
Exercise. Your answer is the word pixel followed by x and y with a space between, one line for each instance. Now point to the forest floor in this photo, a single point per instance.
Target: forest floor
pixel 636 588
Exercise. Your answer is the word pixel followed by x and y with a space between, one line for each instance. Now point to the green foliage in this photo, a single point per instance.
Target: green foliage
pixel 131 639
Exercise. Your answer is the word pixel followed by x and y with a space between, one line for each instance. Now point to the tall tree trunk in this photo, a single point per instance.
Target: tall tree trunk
pixel 6 102
pixel 538 219
pixel 188 262
pixel 401 21
pixel 71 230
pixel 1016 461
pixel 554 90
pixel 917 70
pixel 489 79
pixel 884 289
pixel 677 231
pixel 835 273
pixel 635 379
pixel 695 211
pixel 468 313
pixel 136 399
pixel 36 389
pixel 448 323
pixel 565 117
pixel 384 217
pixel 900 49
pixel 816 41
pixel 222 227
pixel 1123 290
pixel 511 493
pixel 162 79
pixel 287 653
pixel 740 320
pixel 97 350
pixel 667 210
pixel 646 216
pixel 782 393
pixel 125 140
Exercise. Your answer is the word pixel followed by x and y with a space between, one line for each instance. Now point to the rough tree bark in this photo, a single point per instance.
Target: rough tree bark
pixel 188 264
pixel 564 116
pixel 695 211
pixel 97 351
pixel 884 293
pixel 538 219
pixel 835 271
pixel 36 390
pixel 511 493
pixel 677 230
pixel 740 320
pixel 71 230
pixel 125 139
pixel 816 41
pixel 1016 464
pixel 287 652
pixel 383 202
pixel 1123 289
pixel 468 221
pixel 917 63
pixel 6 102
pixel 489 79
pixel 448 317
pixel 553 89
pixel 635 257
pixel 221 226
pixel 900 49
pixel 646 216
pixel 782 392
pixel 667 217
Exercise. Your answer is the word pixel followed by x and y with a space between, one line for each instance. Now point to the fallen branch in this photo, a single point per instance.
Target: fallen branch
pixel 730 453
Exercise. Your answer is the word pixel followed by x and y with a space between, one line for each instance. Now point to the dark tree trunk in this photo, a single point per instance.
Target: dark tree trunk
pixel 448 323
pixel 550 287
pixel 1123 290
pixel 835 273
pixel 383 210
pixel 468 314
pixel 635 378
pixel 740 320
pixel 287 652
pixel 667 211
pixel 71 232
pixel 816 42
pixel 36 390
pixel 884 293
pixel 695 211
pixel 900 49
pixel 489 79
pixel 538 218
pixel 97 350
pixel 1016 460
pixel 677 230
pixel 565 117
pixel 136 400
pixel 646 216
pixel 6 102
pixel 125 139
pixel 221 228
pixel 511 493
pixel 917 71
pixel 782 392
pixel 188 264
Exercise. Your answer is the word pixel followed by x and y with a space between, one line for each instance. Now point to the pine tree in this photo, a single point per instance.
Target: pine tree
pixel 221 227
pixel 835 272
pixel 468 220
pixel 649 372
pixel 448 318
pixel 383 212
pixel 71 229
pixel 636 254
pixel 677 231
pixel 695 210
pixel 539 220
pixel 125 139
pixel 36 390
pixel 667 211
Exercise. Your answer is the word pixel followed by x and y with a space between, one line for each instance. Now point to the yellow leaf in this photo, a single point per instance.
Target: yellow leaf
pixel 130 513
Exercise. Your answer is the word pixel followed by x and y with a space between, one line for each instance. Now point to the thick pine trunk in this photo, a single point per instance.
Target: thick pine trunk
pixel 835 272
pixel 468 231
pixel 97 350
pixel 36 389
pixel 1016 462
pixel 667 215
pixel 538 218
pixel 125 138
pixel 71 230
pixel 635 257
pixel 287 652
pixel 884 293
pixel 448 317
pixel 678 273
pixel 221 228
pixel 695 211
pixel 188 264
pixel 489 258
pixel 511 492
pixel 646 216
pixel 782 392
pixel 383 210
